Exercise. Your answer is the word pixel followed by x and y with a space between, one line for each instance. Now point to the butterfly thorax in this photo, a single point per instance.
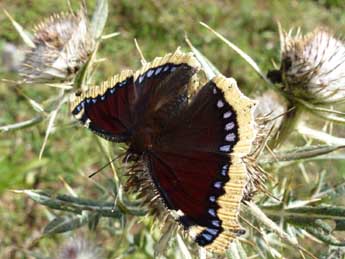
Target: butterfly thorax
pixel 142 140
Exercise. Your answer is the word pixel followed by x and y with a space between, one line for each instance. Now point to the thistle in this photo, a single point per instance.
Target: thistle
pixel 270 110
pixel 63 44
pixel 79 248
pixel 312 66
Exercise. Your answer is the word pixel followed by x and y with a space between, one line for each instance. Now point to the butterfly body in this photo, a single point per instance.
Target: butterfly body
pixel 191 147
pixel 142 140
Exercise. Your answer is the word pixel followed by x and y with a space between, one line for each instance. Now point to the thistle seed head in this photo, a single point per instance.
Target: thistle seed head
pixel 62 45
pixel 313 66
pixel 79 248
pixel 270 110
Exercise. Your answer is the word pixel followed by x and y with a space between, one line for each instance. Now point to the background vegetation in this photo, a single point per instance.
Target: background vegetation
pixel 72 152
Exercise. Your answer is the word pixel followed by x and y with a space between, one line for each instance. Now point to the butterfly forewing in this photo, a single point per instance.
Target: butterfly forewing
pixel 161 84
pixel 106 109
pixel 121 105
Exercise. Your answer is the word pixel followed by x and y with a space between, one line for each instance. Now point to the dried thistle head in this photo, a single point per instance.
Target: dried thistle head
pixel 270 110
pixel 256 176
pixel 79 248
pixel 313 66
pixel 62 45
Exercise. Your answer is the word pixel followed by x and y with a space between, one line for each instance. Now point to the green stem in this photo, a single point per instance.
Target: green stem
pixel 23 124
pixel 300 153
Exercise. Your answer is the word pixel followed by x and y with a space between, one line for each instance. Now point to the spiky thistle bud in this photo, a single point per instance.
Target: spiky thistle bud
pixel 312 66
pixel 79 248
pixel 62 45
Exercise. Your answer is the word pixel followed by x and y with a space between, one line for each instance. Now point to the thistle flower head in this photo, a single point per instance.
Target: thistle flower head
pixel 270 110
pixel 62 44
pixel 79 248
pixel 313 66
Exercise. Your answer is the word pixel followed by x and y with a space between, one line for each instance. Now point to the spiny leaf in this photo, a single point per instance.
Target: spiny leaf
pixel 324 237
pixel 332 193
pixel 319 109
pixel 321 212
pixel 64 224
pixel 329 117
pixel 77 205
pixel 262 217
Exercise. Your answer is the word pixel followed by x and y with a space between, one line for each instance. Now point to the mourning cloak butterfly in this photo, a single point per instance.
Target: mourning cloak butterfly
pixel 191 146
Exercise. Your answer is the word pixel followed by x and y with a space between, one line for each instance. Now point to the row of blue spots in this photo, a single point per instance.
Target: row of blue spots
pixel 99 97
pixel 209 234
pixel 156 71
pixel 153 71
pixel 225 109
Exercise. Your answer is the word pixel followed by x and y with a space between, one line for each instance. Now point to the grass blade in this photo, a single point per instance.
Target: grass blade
pixel 210 70
pixel 244 55
pixel 23 34
pixel 52 117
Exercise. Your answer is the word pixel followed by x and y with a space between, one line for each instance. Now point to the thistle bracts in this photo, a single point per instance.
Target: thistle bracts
pixel 63 44
pixel 313 66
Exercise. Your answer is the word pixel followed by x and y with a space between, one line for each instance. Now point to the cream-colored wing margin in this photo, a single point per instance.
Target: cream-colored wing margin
pixel 230 202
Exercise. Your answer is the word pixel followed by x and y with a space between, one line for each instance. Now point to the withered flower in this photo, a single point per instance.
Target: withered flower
pixel 63 44
pixel 79 248
pixel 270 110
pixel 312 66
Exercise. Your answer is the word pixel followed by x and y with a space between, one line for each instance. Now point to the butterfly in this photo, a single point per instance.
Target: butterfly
pixel 190 144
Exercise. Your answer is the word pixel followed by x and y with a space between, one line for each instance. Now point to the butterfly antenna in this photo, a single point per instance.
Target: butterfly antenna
pixel 107 164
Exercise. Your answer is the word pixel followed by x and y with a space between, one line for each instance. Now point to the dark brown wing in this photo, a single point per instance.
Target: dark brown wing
pixel 106 109
pixel 130 99
pixel 197 166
